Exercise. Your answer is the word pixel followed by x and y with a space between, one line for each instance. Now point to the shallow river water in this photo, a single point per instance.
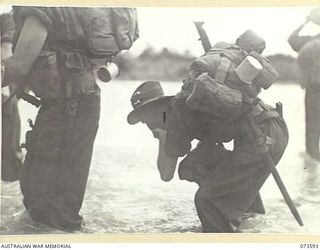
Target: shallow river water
pixel 124 191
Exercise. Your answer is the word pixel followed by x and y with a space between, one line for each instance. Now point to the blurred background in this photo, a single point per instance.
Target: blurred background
pixel 169 37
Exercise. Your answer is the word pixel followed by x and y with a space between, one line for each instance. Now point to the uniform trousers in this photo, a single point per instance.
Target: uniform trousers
pixel 56 168
pixel 312 116
pixel 230 186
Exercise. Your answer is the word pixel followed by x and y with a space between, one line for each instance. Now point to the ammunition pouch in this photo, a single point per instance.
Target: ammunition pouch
pixel 44 77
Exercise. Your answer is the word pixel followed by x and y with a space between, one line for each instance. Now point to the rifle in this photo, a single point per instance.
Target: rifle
pixel 255 134
pixel 29 98
pixel 203 36
pixel 257 137
pixel 19 93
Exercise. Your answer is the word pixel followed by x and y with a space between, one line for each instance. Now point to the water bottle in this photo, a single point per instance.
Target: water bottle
pixel 108 72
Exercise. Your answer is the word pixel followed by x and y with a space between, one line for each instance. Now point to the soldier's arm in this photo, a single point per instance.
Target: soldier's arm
pixel 5 50
pixel 166 163
pixel 296 42
pixel 5 53
pixel 7 32
pixel 29 45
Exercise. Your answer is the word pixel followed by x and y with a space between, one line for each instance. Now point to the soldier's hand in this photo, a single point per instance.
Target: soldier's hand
pixel 186 174
pixel 5 93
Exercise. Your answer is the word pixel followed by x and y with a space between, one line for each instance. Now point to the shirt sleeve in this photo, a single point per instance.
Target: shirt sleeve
pixel 7 28
pixel 177 142
pixel 39 12
pixel 62 23
pixel 298 42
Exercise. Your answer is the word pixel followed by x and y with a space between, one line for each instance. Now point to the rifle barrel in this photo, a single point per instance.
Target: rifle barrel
pixel 255 132
pixel 203 36
pixel 282 188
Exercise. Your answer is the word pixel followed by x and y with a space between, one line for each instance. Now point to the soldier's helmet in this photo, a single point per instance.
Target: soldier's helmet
pixel 251 41
pixel 148 93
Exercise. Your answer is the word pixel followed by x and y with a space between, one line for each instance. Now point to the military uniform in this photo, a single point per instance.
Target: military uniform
pixel 60 145
pixel 308 48
pixel 229 181
pixel 11 159
pixel 312 110
pixel 218 103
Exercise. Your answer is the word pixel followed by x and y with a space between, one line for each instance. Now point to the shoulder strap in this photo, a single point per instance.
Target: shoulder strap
pixel 223 69
pixel 228 56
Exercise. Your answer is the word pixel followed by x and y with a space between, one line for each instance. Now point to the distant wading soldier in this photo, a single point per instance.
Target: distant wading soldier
pixel 11 155
pixel 309 65
pixel 215 105
pixel 57 51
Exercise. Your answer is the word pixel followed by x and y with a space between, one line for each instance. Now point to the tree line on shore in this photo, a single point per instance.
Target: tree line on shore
pixel 166 65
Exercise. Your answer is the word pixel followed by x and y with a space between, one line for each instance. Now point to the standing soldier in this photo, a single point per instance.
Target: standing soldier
pixel 11 157
pixel 309 64
pixel 55 51
pixel 218 102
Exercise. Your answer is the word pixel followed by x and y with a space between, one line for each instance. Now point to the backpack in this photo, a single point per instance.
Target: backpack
pixel 214 87
pixel 107 31
pixel 79 35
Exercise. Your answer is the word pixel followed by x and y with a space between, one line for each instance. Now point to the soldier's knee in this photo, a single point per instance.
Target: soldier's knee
pixel 197 199
pixel 200 197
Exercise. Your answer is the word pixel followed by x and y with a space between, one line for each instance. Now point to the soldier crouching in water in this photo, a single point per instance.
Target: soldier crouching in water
pixel 57 52
pixel 216 101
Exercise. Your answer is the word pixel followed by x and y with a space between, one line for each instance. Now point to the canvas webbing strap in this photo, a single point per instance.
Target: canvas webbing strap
pixel 223 69
pixel 266 115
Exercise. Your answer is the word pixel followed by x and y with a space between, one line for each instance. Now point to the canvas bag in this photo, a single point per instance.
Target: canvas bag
pixel 209 96
pixel 103 31
pixel 221 92
pixel 107 31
